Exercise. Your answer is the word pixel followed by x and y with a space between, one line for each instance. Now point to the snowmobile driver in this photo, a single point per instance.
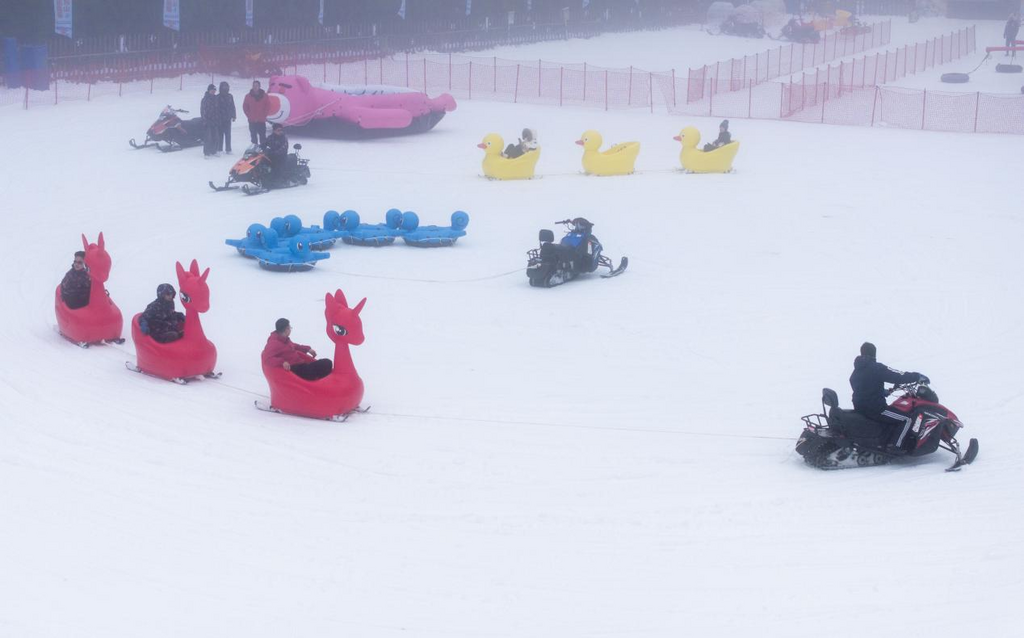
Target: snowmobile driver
pixel 867 381
pixel 277 151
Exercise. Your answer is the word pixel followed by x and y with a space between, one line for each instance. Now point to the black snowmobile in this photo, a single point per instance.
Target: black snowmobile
pixel 734 26
pixel 170 128
pixel 800 32
pixel 255 169
pixel 579 252
pixel 838 439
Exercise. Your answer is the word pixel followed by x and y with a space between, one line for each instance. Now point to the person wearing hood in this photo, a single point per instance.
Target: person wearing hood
pixel 209 112
pixel 226 114
pixel 723 137
pixel 868 382
pixel 255 107
pixel 160 320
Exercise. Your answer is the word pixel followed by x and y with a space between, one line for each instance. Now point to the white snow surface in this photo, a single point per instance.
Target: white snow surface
pixel 607 458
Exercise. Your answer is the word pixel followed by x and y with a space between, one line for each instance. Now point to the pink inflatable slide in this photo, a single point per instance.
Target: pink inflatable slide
pixel 353 111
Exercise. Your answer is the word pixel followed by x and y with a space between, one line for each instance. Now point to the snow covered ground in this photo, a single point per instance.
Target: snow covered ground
pixel 612 457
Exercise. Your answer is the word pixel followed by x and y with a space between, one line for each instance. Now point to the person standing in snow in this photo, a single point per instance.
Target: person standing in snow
pixel 75 287
pixel 1010 32
pixel 281 352
pixel 868 382
pixel 209 112
pixel 255 107
pixel 226 114
pixel 160 320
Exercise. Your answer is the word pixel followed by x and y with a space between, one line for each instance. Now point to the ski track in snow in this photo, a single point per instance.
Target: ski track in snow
pixel 611 457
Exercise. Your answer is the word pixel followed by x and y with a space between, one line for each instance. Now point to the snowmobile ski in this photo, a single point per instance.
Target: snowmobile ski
pixel 136 146
pixel 967 458
pixel 256 190
pixel 615 272
pixel 337 418
pixel 225 187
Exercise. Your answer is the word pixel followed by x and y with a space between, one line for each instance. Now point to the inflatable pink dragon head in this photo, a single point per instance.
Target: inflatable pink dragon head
pixel 195 294
pixel 343 323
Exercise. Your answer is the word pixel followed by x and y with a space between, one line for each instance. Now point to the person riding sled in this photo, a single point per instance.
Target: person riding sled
pixel 76 285
pixel 281 352
pixel 868 382
pixel 160 320
pixel 723 137
pixel 527 143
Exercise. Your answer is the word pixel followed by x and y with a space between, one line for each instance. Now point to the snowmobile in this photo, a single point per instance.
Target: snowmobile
pixel 733 26
pixel 170 128
pixel 800 32
pixel 839 439
pixel 254 168
pixel 577 253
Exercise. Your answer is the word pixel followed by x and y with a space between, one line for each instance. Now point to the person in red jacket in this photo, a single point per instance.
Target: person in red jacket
pixel 280 352
pixel 255 107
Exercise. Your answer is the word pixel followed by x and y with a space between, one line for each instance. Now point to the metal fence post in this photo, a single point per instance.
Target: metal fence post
pixel 977 103
pixel 515 95
pixel 605 89
pixel 924 105
pixel 495 63
pixel 874 105
pixel 561 81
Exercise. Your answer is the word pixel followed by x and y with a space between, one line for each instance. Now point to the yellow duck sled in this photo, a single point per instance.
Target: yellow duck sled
pixel 498 167
pixel 695 160
pixel 618 160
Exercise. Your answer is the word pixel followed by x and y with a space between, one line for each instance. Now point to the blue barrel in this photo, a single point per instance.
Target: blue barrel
pixel 35 67
pixel 12 67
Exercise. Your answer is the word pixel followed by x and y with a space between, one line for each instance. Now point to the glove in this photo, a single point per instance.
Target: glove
pixel 923 379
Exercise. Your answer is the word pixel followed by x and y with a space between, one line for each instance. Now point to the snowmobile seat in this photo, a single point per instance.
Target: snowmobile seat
pixel 851 423
pixel 547 235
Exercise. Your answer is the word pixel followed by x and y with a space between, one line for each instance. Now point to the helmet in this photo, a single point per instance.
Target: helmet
pixel 165 289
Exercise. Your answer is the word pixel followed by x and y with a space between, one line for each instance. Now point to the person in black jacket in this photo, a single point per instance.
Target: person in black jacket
pixel 225 116
pixel 1011 30
pixel 160 320
pixel 75 287
pixel 277 150
pixel 210 113
pixel 723 137
pixel 868 382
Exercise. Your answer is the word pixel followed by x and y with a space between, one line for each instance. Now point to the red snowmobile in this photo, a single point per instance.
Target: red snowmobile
pixel 170 128
pixel 838 439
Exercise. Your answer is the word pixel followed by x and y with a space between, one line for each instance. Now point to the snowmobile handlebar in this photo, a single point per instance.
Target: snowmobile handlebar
pixel 910 386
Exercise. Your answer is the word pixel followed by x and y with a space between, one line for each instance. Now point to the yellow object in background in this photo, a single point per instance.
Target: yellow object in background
pixel 498 167
pixel 620 159
pixel 695 160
